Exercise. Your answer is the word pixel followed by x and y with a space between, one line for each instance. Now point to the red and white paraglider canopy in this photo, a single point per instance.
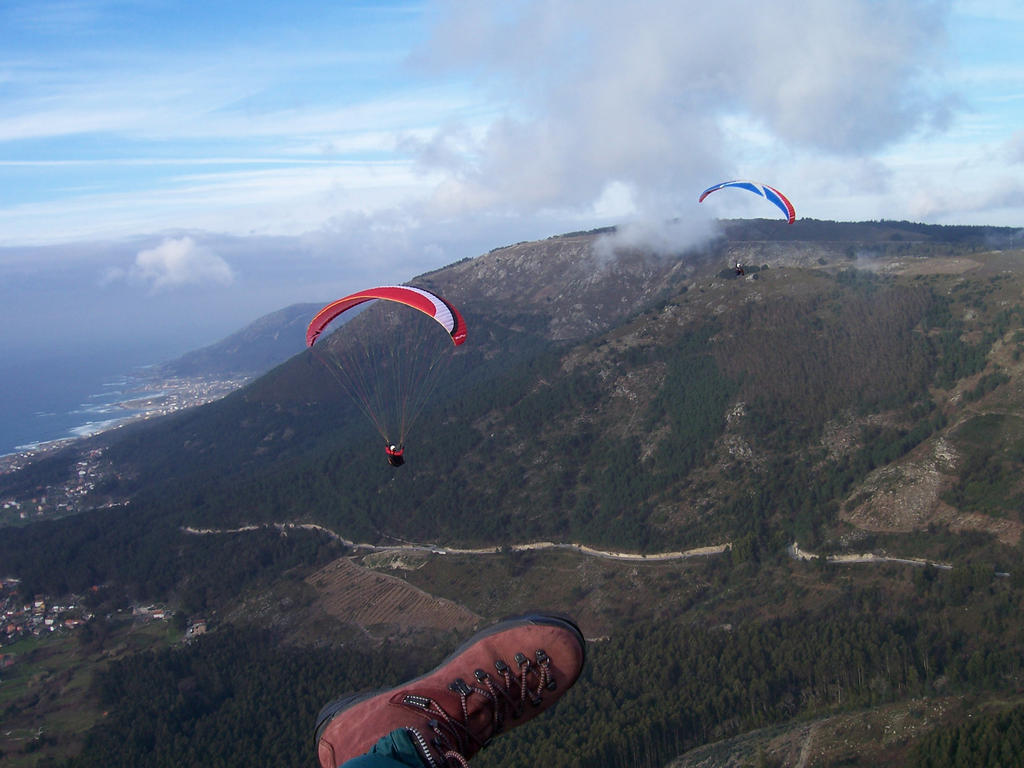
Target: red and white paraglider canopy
pixel 417 298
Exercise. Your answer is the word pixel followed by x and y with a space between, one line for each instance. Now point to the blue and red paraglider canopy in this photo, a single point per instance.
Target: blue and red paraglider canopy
pixel 770 193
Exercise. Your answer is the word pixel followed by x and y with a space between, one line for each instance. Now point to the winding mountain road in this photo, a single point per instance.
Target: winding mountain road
pixel 716 549
pixel 793 549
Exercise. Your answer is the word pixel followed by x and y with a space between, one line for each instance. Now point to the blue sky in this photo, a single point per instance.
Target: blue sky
pixel 160 156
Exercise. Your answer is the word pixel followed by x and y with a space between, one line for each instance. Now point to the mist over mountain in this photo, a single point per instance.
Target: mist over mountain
pixel 675 427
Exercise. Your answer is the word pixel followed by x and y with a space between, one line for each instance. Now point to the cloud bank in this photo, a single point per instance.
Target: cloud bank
pixel 664 98
pixel 525 119
pixel 643 93
pixel 174 263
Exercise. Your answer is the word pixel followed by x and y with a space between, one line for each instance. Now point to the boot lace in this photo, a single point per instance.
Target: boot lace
pixel 506 694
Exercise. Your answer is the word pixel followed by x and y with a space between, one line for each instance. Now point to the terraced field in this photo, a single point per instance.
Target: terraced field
pixel 352 593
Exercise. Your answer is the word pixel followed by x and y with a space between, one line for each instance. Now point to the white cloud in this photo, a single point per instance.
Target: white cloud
pixel 176 263
pixel 1000 193
pixel 672 238
pixel 579 112
pixel 1015 147
pixel 845 75
pixel 662 97
pixel 274 200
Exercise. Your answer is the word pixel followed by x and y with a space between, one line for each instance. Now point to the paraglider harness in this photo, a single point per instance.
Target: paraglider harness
pixel 739 269
pixel 395 458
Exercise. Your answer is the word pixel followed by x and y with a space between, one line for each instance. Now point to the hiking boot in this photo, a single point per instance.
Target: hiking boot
pixel 498 679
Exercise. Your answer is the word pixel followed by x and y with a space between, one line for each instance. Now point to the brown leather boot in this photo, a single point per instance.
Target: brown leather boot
pixel 498 679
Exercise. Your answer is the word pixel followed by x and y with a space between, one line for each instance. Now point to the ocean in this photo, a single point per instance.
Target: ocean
pixel 62 394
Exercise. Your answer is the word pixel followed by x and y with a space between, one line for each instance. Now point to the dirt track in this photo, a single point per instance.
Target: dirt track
pixel 715 549
pixel 793 550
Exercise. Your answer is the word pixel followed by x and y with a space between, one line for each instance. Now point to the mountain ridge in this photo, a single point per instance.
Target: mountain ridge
pixel 845 393
pixel 565 290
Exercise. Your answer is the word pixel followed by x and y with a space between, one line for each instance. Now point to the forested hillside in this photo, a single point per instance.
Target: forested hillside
pixel 859 390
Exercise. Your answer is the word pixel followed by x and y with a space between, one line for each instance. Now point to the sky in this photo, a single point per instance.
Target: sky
pixel 172 170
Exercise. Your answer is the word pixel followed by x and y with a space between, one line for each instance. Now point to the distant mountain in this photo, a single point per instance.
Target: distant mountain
pixel 252 351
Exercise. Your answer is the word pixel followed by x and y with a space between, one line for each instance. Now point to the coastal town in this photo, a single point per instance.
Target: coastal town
pixel 57 500
pixel 86 486
pixel 163 396
pixel 89 484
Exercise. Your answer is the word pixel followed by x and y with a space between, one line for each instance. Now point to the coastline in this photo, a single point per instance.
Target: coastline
pixel 147 399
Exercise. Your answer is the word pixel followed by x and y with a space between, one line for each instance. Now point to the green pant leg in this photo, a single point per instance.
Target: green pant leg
pixel 396 750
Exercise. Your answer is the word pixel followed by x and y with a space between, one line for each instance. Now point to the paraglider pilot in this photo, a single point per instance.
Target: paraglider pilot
pixel 739 269
pixel 394 453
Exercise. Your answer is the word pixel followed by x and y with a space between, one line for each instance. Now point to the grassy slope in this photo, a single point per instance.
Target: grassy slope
pixel 47 701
